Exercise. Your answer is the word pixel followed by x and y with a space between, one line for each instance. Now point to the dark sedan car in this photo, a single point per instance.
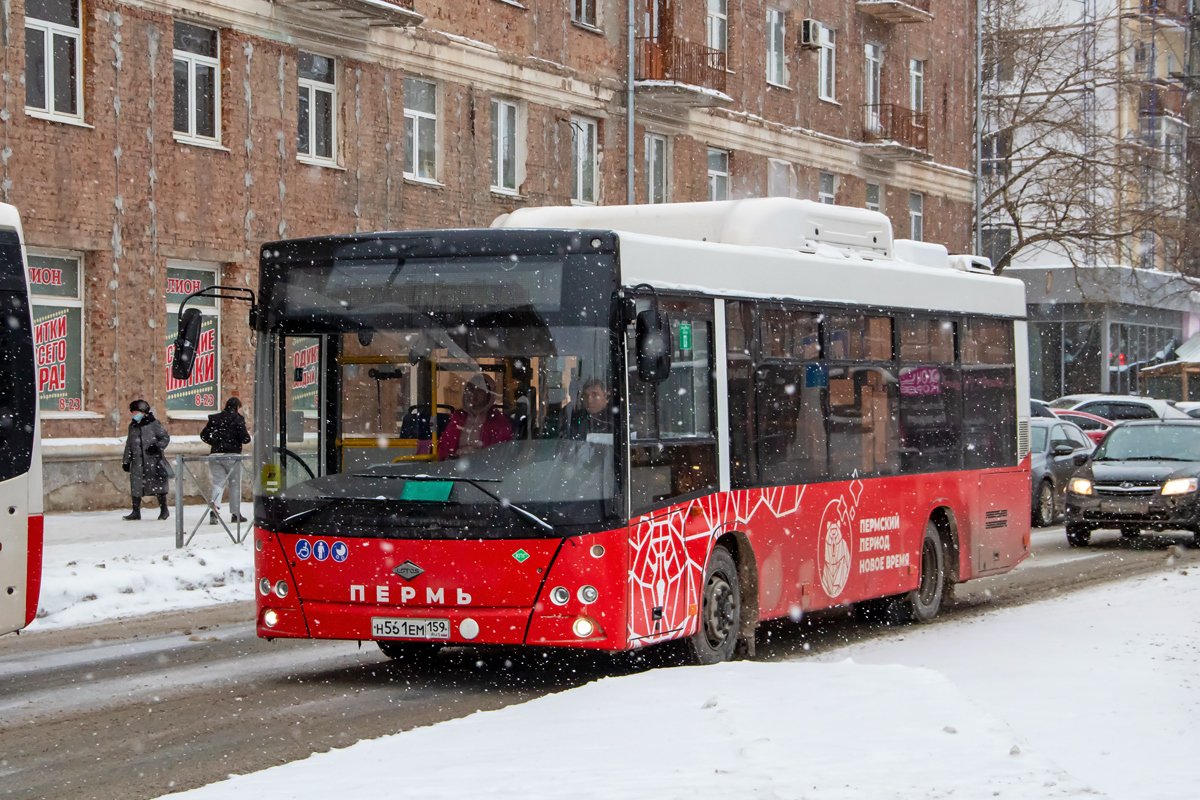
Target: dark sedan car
pixel 1057 448
pixel 1143 476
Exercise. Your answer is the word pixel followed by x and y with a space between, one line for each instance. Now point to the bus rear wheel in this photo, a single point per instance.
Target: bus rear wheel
pixel 720 612
pixel 412 653
pixel 924 602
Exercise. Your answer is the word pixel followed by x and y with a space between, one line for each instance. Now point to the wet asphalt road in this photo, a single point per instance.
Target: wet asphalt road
pixel 141 708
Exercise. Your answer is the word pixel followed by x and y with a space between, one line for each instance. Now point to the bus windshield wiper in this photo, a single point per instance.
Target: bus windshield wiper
pixel 329 502
pixel 476 482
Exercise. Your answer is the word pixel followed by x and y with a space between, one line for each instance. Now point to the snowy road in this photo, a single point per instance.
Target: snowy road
pixel 178 700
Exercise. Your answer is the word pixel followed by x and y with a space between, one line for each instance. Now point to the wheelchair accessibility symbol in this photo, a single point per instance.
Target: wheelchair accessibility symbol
pixel 303 549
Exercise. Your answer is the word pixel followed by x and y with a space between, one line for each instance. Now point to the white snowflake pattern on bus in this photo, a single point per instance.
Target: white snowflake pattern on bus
pixel 667 572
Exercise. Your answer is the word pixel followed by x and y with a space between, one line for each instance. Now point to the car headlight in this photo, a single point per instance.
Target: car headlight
pixel 1181 486
pixel 1081 486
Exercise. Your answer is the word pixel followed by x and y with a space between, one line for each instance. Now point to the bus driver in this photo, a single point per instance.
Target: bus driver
pixel 478 424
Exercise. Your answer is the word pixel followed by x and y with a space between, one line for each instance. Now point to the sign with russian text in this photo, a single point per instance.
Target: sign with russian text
pixel 53 277
pixel 58 356
pixel 181 282
pixel 920 381
pixel 306 353
pixel 199 392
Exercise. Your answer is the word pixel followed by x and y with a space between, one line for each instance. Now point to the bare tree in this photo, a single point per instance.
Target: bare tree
pixel 1083 144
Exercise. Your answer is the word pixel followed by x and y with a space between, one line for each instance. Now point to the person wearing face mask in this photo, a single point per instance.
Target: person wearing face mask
pixel 145 461
pixel 478 424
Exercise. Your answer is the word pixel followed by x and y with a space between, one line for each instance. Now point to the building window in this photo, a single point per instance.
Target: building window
pixel 583 159
pixel 197 82
pixel 916 84
pixel 781 179
pixel 718 174
pixel 874 197
pixel 826 188
pixel 657 171
pixel 996 153
pixel 198 395
pixel 776 64
pixel 584 12
pixel 316 135
pixel 873 87
pixel 1146 250
pixel 996 243
pixel 717 25
pixel 826 62
pixel 916 216
pixel 56 298
pixel 505 146
pixel 52 41
pixel 420 129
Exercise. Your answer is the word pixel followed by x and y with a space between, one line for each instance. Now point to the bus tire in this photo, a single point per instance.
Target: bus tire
pixel 720 612
pixel 924 602
pixel 411 653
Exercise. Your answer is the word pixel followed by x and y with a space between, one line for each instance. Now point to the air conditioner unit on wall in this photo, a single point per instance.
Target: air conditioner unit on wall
pixel 810 34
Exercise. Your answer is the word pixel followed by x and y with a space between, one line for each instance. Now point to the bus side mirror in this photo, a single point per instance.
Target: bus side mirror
pixel 185 345
pixel 653 346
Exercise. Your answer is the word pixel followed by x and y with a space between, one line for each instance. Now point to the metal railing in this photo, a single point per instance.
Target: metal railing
pixel 238 534
pixel 671 58
pixel 891 122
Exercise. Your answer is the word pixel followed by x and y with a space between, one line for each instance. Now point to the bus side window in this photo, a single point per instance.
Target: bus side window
pixel 739 336
pixel 791 385
pixel 672 430
pixel 930 395
pixel 863 398
pixel 989 394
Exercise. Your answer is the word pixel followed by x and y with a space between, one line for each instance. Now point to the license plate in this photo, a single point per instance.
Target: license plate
pixel 408 628
pixel 1125 506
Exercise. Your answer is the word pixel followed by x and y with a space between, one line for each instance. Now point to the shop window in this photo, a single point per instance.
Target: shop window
pixel 53 35
pixel 199 395
pixel 57 302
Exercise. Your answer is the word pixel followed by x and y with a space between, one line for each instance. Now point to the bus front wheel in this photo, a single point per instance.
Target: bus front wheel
pixel 720 612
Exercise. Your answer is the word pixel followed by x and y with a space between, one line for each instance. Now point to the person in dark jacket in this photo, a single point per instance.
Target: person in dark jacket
pixel 145 459
pixel 592 414
pixel 225 434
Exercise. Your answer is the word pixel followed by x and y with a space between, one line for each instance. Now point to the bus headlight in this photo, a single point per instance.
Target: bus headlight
pixel 1081 486
pixel 587 594
pixel 264 586
pixel 559 595
pixel 583 627
pixel 1181 486
pixel 281 589
pixel 270 618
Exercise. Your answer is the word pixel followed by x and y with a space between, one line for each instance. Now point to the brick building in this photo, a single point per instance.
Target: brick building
pixel 153 146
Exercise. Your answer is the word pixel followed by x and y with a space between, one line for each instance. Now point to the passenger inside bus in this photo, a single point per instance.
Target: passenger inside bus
pixel 592 414
pixel 478 424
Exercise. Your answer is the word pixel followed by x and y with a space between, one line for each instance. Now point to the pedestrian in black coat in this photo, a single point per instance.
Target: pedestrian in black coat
pixel 145 459
pixel 225 434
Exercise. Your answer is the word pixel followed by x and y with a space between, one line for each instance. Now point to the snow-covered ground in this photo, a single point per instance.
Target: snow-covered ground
pixel 1093 694
pixel 98 566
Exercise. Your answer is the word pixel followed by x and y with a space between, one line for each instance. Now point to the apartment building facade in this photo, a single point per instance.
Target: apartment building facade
pixel 153 146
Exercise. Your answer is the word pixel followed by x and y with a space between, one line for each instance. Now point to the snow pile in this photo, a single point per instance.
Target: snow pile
pixel 1105 681
pixel 737 730
pixel 99 567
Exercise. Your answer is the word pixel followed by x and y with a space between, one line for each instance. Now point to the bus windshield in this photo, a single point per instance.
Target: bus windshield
pixel 470 396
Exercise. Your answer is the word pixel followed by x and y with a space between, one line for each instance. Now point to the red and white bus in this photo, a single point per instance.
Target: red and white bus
pixel 20 445
pixel 616 426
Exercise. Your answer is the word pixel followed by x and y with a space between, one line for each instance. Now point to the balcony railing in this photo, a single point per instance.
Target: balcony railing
pixel 672 59
pixel 889 123
pixel 898 11
pixel 374 13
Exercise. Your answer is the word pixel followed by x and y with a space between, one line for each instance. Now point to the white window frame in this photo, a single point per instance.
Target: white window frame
pixel 310 86
pixel 827 65
pixel 788 174
pixel 193 59
pixel 657 144
pixel 715 175
pixel 580 126
pixel 916 84
pixel 916 216
pixel 582 9
pixel 410 159
pixel 827 197
pixel 777 71
pixel 716 25
pixel 873 86
pixel 207 311
pixel 878 204
pixel 67 302
pixel 49 31
pixel 502 110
